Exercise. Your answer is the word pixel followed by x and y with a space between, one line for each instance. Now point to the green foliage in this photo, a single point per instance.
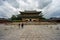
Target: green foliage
pixel 16 18
pixel 13 17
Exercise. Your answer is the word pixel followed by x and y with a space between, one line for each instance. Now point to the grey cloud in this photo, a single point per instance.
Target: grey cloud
pixel 9 7
pixel 37 4
pixel 52 9
pixel 6 10
pixel 56 13
pixel 14 3
pixel 1 2
pixel 44 3
pixel 25 0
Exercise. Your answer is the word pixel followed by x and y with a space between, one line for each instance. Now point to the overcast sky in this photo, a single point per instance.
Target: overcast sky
pixel 50 8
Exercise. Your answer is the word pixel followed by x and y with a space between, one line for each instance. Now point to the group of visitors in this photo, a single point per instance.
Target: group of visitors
pixel 21 25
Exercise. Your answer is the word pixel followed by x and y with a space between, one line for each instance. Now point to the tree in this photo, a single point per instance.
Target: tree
pixel 13 17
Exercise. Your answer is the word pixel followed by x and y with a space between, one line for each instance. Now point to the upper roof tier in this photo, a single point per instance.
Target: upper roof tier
pixel 38 12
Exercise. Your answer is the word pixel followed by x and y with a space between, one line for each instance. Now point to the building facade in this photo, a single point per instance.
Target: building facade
pixel 30 15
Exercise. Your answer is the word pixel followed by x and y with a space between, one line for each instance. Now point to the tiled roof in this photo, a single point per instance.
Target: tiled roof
pixel 31 12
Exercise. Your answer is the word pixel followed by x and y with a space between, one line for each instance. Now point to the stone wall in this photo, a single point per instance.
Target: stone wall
pixel 27 19
pixel 34 23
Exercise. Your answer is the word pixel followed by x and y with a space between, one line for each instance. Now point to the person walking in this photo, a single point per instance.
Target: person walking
pixel 22 25
pixel 19 26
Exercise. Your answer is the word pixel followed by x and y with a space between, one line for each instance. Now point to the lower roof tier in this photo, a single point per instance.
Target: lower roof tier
pixel 30 16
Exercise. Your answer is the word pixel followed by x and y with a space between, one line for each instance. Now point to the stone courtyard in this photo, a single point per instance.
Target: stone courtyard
pixel 30 32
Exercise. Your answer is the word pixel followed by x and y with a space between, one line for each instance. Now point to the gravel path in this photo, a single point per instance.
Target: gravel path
pixel 29 32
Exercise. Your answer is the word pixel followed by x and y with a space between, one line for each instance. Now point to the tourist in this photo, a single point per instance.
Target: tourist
pixel 22 25
pixel 19 26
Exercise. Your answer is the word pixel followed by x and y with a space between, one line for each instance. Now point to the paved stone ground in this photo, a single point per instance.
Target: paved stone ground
pixel 29 32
